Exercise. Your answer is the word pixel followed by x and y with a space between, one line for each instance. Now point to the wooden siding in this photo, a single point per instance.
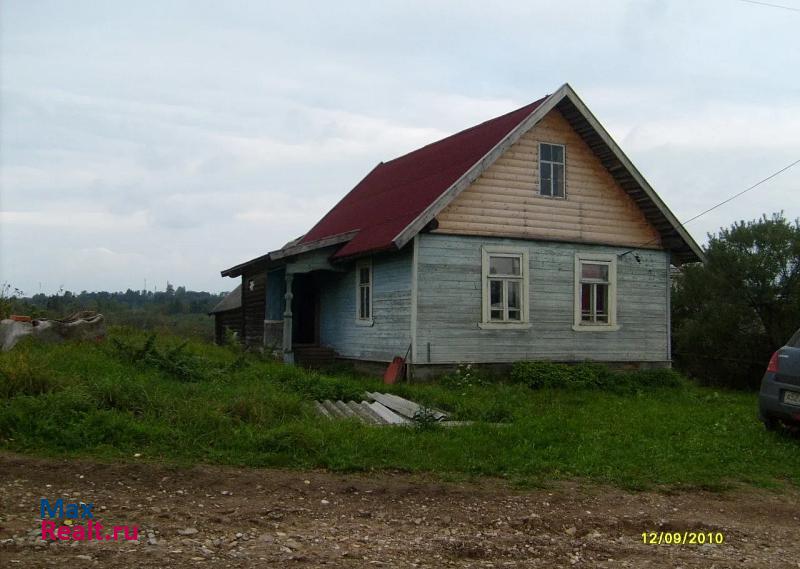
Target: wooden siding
pixel 229 319
pixel 390 333
pixel 449 305
pixel 253 307
pixel 505 200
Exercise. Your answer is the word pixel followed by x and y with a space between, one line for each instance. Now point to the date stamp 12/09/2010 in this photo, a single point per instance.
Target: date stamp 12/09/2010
pixel 683 537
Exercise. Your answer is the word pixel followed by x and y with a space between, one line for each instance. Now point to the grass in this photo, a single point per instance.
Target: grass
pixel 179 402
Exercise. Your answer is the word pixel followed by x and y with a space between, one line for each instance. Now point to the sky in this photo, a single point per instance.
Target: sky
pixel 154 141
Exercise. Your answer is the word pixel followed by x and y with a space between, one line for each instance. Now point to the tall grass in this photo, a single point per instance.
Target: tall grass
pixel 171 400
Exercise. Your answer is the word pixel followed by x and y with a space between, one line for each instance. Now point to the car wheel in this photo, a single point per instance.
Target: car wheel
pixel 771 424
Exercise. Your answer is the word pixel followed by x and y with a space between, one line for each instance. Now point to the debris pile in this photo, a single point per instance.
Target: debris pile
pixel 85 325
pixel 381 409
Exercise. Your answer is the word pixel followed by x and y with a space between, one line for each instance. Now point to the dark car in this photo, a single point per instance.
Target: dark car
pixel 779 399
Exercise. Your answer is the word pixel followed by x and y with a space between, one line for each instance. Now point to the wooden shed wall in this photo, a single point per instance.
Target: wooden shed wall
pixel 449 305
pixel 389 335
pixel 505 199
pixel 230 319
pixel 253 307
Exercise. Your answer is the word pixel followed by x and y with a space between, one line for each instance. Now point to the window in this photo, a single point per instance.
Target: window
pixel 551 170
pixel 595 292
pixel 505 288
pixel 364 293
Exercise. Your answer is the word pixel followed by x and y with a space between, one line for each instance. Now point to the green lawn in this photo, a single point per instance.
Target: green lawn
pixel 204 403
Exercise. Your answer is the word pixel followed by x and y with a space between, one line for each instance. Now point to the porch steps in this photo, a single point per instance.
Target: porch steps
pixel 314 356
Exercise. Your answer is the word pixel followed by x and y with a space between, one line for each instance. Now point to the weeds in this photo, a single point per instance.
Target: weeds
pixel 175 361
pixel 425 419
pixel 192 402
pixel 21 376
pixel 542 375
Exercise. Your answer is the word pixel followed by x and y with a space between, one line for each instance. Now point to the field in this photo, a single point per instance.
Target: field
pixel 136 399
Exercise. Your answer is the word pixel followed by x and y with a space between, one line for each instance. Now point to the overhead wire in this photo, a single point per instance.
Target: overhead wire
pixel 720 204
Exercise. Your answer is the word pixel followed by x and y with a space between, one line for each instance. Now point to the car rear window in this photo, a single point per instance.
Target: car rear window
pixel 794 341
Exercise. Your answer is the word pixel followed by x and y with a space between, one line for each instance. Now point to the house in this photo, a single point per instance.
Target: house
pixel 529 236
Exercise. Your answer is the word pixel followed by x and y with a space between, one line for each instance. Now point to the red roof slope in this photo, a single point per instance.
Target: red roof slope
pixel 396 192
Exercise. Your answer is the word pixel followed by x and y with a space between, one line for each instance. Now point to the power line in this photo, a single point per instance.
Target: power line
pixel 733 197
pixel 720 204
pixel 790 8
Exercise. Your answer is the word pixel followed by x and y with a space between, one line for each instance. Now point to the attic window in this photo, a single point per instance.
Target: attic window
pixel 551 170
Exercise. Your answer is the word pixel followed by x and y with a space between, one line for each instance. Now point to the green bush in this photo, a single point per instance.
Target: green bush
pixel 538 375
pixel 541 375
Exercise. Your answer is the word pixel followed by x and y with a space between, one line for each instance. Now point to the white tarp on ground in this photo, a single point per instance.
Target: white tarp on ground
pixel 84 325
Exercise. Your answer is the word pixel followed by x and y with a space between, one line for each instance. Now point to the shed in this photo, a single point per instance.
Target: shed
pixel 228 315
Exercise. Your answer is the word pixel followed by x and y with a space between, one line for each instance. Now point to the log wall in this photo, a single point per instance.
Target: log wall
pixel 505 200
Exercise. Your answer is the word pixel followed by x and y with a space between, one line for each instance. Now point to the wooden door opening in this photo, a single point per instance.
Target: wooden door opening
pixel 305 310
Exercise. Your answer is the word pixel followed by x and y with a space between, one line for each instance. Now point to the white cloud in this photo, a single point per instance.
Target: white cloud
pixel 59 220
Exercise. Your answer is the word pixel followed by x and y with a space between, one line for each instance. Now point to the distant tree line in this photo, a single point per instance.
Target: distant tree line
pixel 178 309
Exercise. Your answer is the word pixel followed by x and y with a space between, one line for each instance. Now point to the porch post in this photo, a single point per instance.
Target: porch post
pixel 288 354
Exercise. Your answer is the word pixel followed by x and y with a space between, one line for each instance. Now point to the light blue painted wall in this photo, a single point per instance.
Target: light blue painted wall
pixel 449 305
pixel 390 333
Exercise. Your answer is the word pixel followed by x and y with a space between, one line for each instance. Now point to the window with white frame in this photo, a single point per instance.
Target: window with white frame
pixel 364 292
pixel 595 292
pixel 505 287
pixel 551 170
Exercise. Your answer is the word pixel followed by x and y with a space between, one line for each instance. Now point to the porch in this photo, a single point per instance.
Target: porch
pixel 302 311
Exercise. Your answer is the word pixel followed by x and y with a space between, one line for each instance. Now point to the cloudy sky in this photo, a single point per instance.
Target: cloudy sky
pixel 166 140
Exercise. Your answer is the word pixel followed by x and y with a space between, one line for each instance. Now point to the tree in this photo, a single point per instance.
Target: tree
pixel 730 314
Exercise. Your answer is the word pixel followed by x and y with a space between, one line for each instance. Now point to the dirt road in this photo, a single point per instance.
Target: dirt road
pixel 229 517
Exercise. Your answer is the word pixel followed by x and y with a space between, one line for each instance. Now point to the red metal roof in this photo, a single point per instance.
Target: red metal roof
pixel 394 193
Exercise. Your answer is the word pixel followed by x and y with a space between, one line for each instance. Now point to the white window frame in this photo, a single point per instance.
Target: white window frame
pixel 365 263
pixel 564 164
pixel 598 259
pixel 486 322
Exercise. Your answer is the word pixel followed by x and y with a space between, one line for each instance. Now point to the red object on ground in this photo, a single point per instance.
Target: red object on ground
pixel 394 371
pixel 18 318
pixel 394 193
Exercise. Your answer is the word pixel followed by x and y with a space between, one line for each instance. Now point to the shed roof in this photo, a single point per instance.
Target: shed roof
pixel 231 301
